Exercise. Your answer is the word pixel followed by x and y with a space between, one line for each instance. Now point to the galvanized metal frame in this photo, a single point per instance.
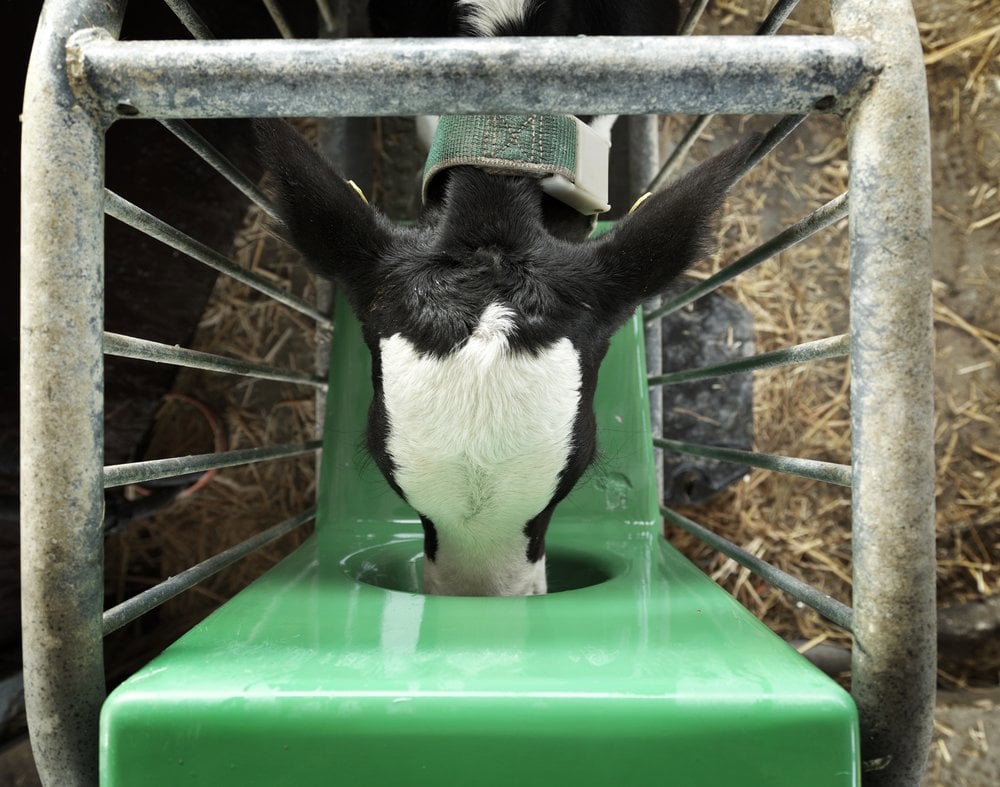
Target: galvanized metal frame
pixel 62 495
pixel 606 75
pixel 81 79
pixel 894 659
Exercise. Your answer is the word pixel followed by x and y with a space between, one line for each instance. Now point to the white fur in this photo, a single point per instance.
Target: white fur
pixel 478 440
pixel 603 124
pixel 486 16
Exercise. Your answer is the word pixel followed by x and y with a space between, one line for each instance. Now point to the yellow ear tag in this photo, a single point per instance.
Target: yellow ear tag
pixel 639 201
pixel 357 188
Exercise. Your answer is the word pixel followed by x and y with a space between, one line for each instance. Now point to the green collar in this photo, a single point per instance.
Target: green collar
pixel 565 154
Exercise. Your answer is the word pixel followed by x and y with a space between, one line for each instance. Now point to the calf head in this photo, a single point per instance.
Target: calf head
pixel 486 331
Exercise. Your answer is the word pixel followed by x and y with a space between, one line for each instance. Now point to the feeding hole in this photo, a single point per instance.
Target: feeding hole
pixel 399 566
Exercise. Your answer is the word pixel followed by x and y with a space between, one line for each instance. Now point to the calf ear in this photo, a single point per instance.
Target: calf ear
pixel 669 231
pixel 324 216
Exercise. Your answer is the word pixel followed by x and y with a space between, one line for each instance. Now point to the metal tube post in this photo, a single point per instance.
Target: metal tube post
pixel 643 162
pixel 358 77
pixel 894 657
pixel 62 490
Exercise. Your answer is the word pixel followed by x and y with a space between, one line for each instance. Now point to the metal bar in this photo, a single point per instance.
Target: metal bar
pixel 643 160
pixel 892 398
pixel 327 15
pixel 62 391
pixel 771 140
pixel 152 469
pixel 278 17
pixel 136 217
pixel 190 19
pixel 145 350
pixel 595 75
pixel 779 13
pixel 693 16
pixel 211 155
pixel 680 151
pixel 829 472
pixel 139 605
pixel 819 219
pixel 777 16
pixel 346 142
pixel 835 611
pixel 833 347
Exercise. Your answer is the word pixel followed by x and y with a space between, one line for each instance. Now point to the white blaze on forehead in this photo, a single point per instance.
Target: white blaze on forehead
pixel 485 17
pixel 479 439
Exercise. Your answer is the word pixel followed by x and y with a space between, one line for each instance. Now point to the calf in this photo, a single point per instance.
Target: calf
pixel 487 320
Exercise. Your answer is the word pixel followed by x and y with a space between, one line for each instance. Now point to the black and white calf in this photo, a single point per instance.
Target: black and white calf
pixel 487 321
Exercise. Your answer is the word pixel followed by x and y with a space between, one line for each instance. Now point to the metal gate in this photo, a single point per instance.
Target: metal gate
pixel 81 79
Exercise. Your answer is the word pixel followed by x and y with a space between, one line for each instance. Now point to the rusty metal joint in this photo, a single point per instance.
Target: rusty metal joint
pixel 843 105
pixel 76 75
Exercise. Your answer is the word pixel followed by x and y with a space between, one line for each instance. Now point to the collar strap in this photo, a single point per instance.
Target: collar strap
pixel 564 153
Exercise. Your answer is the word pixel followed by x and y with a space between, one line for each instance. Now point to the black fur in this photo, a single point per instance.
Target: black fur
pixel 489 239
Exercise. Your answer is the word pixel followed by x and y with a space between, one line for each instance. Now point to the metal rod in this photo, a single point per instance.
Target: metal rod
pixel 190 19
pixel 779 13
pixel 152 469
pixel 833 347
pixel 776 18
pixel 278 17
pixel 819 219
pixel 594 75
pixel 327 14
pixel 771 140
pixel 693 16
pixel 62 403
pixel 643 159
pixel 835 611
pixel 680 151
pixel 145 350
pixel 829 472
pixel 139 605
pixel 136 217
pixel 892 398
pixel 211 155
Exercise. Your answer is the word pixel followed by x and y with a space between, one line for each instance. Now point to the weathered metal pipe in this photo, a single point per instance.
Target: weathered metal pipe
pixel 819 219
pixel 138 605
pixel 153 469
pixel 830 472
pixel 643 161
pixel 833 610
pixel 774 20
pixel 62 386
pixel 145 350
pixel 146 222
pixel 833 347
pixel 892 397
pixel 358 77
pixel 215 159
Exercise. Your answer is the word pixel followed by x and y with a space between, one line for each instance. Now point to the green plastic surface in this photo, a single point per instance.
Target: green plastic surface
pixel 333 669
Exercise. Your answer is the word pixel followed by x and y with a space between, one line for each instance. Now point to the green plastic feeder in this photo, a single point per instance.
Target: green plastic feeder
pixel 333 668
